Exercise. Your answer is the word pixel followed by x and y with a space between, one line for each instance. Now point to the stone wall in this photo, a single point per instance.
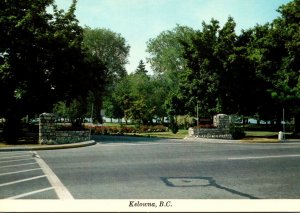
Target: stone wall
pixel 221 122
pixel 217 133
pixel 63 137
pixel 49 135
pixel 47 128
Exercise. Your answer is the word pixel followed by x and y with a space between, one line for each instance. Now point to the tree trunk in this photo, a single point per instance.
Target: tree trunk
pixel 297 124
pixel 12 128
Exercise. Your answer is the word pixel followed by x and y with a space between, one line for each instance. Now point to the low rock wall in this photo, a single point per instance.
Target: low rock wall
pixel 49 135
pixel 217 133
pixel 63 137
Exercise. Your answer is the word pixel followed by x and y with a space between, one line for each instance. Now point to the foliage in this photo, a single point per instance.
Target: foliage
pixel 166 50
pixel 70 128
pixel 42 60
pixel 173 125
pixel 138 97
pixel 184 122
pixel 253 73
pixel 141 69
pixel 125 129
pixel 110 48
pixel 237 132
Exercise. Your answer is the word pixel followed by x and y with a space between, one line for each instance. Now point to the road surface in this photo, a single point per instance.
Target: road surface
pixel 148 168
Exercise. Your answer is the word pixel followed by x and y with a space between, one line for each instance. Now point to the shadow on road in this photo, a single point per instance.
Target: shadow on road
pixel 200 182
pixel 124 139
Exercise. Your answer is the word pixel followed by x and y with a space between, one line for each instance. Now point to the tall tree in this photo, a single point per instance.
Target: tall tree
pixel 23 59
pixel 141 69
pixel 112 50
pixel 109 47
pixel 285 35
pixel 166 50
pixel 41 58
pixel 200 82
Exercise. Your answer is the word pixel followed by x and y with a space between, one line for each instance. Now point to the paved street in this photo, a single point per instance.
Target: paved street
pixel 136 168
pixel 22 177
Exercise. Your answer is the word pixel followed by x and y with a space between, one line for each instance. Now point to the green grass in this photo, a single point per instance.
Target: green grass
pixel 179 135
pixel 118 124
pixel 261 134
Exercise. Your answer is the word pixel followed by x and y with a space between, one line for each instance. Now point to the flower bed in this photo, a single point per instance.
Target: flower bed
pixel 125 129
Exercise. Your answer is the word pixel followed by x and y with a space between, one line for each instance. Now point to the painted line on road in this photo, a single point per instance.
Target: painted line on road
pixel 61 191
pixel 21 171
pixel 11 153
pixel 23 180
pixel 30 193
pixel 14 156
pixel 8 161
pixel 140 144
pixel 16 165
pixel 264 157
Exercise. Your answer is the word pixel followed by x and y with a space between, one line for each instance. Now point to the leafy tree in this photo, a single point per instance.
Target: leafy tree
pixel 200 82
pixel 41 60
pixel 120 99
pixel 23 60
pixel 166 50
pixel 139 97
pixel 285 38
pixel 110 48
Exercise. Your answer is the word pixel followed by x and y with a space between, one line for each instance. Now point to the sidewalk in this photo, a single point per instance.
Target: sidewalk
pixel 46 147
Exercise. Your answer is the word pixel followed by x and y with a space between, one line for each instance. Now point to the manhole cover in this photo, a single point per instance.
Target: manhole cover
pixel 185 182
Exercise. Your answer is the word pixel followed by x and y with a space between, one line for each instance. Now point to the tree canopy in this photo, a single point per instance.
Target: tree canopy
pixel 254 73
pixel 42 60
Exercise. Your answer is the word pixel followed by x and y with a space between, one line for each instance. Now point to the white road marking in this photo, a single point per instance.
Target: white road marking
pixel 23 180
pixel 264 157
pixel 61 191
pixel 11 153
pixel 16 165
pixel 21 171
pixel 7 161
pixel 143 144
pixel 14 156
pixel 30 193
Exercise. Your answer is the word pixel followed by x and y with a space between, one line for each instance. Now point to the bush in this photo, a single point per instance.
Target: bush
pixel 206 126
pixel 237 132
pixel 70 128
pixel 125 129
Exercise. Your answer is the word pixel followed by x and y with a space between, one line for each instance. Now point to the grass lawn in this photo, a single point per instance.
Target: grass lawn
pixel 118 124
pixel 179 135
pixel 261 134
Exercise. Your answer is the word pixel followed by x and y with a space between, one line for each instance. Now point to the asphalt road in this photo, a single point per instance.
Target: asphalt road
pixel 145 168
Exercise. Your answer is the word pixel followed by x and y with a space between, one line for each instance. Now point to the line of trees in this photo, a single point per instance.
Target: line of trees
pixel 48 62
pixel 254 73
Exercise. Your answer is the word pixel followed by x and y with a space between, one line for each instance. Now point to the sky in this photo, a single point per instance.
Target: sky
pixel 140 20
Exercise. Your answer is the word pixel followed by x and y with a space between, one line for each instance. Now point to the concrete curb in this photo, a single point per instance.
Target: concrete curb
pixel 48 147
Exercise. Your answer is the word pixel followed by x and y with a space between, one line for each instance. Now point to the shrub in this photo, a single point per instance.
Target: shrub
pixel 125 129
pixel 206 126
pixel 70 128
pixel 237 132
